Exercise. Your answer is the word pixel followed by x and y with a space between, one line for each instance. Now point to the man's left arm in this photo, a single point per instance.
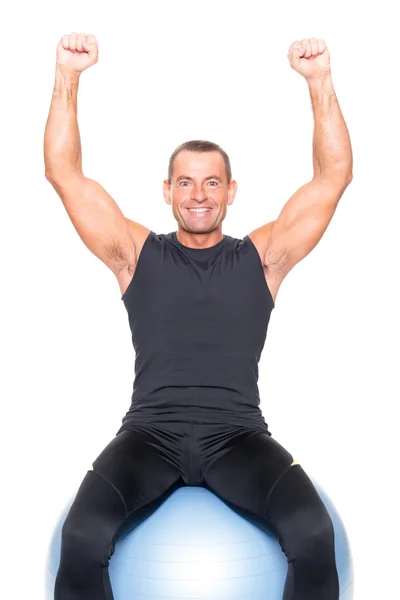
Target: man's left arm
pixel 306 215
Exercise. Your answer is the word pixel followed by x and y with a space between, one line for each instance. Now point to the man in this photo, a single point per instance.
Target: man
pixel 199 304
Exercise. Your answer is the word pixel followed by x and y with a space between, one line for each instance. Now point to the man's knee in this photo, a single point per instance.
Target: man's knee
pixel 313 535
pixel 81 547
pixel 94 517
pixel 300 516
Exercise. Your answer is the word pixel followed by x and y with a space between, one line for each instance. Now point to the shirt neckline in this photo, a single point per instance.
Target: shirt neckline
pixel 209 249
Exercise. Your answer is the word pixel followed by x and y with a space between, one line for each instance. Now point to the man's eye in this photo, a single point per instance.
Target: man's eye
pixel 183 183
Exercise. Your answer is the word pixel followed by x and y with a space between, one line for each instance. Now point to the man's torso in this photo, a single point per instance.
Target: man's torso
pixel 140 233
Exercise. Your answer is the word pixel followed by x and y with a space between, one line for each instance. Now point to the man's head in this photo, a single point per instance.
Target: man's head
pixel 199 176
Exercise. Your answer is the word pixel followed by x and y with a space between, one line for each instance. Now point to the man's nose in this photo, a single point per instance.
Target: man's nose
pixel 198 193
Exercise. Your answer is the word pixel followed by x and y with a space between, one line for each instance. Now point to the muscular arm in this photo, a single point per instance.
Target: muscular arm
pixel 62 143
pixel 332 154
pixel 306 215
pixel 93 212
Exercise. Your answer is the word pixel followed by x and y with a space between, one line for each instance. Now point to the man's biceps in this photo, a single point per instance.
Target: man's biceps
pixel 296 240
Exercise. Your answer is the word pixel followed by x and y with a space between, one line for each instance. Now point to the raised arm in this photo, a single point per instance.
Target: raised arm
pixel 306 215
pixel 93 212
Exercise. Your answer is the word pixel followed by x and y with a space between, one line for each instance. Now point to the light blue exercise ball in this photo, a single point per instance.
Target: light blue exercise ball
pixel 195 546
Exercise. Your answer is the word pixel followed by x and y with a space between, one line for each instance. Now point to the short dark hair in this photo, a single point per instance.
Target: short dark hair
pixel 200 146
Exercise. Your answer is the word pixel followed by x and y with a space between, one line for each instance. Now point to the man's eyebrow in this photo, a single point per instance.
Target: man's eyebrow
pixel 191 179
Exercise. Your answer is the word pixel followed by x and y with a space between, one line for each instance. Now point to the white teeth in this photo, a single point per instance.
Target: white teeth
pixel 199 209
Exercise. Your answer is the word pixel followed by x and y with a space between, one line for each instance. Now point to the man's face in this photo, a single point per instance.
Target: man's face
pixel 199 181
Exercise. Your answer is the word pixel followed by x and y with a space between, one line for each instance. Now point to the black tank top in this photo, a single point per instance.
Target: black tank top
pixel 199 320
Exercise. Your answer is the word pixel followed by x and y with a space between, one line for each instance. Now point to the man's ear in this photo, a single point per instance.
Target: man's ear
pixel 167 191
pixel 232 189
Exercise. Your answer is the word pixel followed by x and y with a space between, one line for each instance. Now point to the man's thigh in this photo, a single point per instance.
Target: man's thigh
pixel 136 467
pixel 245 471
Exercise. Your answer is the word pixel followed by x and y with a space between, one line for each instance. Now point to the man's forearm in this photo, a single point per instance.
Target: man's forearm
pixel 332 153
pixel 62 144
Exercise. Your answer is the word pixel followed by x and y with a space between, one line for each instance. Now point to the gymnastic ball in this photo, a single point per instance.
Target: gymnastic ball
pixel 194 545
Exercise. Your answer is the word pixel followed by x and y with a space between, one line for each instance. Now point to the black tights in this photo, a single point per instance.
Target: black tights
pixel 243 466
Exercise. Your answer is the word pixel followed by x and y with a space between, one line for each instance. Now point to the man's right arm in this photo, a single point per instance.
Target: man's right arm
pixel 95 215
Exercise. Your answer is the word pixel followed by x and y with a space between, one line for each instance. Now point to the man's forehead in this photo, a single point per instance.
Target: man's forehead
pixel 186 156
pixel 199 163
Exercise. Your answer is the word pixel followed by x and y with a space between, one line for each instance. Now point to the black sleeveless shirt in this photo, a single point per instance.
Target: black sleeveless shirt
pixel 199 320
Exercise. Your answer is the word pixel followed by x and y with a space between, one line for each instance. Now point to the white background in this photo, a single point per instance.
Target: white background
pixel 170 72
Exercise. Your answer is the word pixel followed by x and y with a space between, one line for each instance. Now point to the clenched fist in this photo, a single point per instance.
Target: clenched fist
pixel 310 58
pixel 77 52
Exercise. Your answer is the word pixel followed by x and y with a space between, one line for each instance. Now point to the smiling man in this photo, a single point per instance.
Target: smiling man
pixel 199 200
pixel 199 304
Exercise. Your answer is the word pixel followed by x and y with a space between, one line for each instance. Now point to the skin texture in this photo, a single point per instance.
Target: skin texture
pixel 199 179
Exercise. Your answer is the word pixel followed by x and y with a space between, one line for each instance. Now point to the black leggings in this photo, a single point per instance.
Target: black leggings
pixel 243 466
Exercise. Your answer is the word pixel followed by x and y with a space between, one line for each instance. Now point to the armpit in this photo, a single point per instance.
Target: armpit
pixel 275 262
pixel 123 259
